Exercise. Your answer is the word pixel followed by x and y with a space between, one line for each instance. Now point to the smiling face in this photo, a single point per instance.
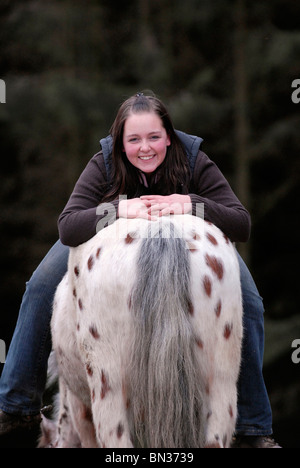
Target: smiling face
pixel 145 141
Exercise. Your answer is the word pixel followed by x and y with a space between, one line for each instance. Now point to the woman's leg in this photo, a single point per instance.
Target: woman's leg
pixel 24 375
pixel 254 409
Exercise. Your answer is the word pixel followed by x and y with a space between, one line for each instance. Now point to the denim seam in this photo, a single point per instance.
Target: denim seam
pixel 244 430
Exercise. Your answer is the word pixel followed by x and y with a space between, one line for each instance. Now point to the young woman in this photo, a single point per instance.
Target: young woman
pixel 145 169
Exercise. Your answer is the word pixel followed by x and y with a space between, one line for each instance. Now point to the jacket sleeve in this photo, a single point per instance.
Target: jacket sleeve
pixel 82 215
pixel 221 206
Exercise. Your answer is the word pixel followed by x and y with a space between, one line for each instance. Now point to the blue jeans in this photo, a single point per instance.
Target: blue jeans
pixel 24 375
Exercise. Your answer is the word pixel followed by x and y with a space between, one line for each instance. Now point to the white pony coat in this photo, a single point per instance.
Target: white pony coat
pixel 147 332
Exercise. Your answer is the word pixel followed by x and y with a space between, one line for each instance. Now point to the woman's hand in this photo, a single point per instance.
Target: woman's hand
pixel 135 208
pixel 170 204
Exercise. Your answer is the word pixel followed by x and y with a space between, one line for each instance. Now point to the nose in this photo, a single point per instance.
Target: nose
pixel 144 146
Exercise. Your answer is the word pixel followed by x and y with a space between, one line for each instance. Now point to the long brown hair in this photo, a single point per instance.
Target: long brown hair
pixel 174 172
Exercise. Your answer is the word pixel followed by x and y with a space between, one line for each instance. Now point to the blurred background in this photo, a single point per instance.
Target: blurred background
pixel 225 71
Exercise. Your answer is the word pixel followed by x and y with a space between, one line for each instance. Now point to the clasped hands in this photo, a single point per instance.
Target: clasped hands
pixel 153 206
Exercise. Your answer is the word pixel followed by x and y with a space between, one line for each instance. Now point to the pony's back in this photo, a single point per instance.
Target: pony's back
pixel 147 327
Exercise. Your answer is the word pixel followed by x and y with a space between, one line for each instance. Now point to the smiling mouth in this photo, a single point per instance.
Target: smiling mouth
pixel 146 158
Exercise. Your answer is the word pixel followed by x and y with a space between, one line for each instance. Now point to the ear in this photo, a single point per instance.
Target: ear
pixel 168 140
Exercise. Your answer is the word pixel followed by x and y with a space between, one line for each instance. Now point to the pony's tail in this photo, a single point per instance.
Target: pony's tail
pixel 164 378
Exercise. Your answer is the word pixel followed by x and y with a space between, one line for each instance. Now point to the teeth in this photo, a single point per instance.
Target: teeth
pixel 145 158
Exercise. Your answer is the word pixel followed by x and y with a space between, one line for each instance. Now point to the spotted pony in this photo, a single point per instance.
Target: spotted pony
pixel 147 332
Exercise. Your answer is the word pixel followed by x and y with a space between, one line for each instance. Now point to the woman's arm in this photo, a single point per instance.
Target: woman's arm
pixel 211 196
pixel 82 214
pixel 221 206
